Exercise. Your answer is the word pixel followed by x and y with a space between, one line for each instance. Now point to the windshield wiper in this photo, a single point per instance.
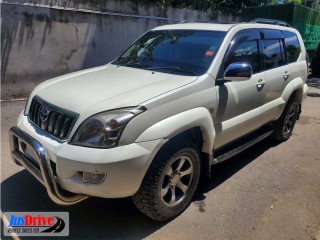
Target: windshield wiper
pixel 178 69
pixel 137 64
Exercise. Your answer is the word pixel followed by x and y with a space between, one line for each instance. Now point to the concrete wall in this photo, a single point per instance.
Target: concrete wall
pixel 40 42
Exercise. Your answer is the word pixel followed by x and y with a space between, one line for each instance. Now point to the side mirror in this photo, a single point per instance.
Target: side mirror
pixel 238 72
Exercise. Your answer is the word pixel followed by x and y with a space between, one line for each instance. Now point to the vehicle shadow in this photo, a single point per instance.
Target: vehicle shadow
pixel 312 94
pixel 314 82
pixel 99 218
pixel 223 171
pixel 95 218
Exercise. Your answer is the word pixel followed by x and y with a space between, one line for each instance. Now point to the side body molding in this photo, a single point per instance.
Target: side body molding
pixel 170 127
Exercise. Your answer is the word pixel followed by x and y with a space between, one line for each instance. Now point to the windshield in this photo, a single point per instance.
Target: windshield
pixel 187 52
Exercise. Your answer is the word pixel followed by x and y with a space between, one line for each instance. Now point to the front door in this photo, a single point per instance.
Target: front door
pixel 240 108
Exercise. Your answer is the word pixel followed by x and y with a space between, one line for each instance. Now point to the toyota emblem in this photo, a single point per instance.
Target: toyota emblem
pixel 44 113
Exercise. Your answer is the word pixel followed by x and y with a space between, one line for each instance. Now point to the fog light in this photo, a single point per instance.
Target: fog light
pixel 89 177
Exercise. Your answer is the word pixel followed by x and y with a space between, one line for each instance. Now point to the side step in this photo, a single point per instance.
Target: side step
pixel 238 146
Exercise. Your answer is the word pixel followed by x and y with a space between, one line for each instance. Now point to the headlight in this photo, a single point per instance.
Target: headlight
pixel 104 129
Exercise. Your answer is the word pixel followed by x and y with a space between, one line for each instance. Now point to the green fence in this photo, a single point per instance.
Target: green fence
pixel 304 19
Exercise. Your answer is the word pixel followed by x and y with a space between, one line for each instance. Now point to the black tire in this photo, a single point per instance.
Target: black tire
pixel 283 127
pixel 152 198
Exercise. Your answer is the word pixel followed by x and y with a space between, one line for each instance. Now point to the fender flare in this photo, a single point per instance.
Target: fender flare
pixel 172 126
pixel 296 84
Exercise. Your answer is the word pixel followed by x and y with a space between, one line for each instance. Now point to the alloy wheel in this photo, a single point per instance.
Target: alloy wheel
pixel 176 181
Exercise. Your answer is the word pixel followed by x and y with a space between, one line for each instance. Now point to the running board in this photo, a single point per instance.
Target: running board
pixel 238 146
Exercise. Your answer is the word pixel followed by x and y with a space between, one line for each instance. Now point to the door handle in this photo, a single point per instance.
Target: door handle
pixel 260 83
pixel 286 75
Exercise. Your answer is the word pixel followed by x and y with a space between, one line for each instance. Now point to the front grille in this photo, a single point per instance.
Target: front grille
pixel 53 120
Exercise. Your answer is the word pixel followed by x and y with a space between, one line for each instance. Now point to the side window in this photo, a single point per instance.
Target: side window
pixel 273 53
pixel 293 49
pixel 246 52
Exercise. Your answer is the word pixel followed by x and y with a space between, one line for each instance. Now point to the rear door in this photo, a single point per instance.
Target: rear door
pixel 277 72
pixel 293 51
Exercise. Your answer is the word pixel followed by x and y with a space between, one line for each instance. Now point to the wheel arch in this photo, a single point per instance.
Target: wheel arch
pixel 197 121
pixel 294 88
pixel 149 196
pixel 298 93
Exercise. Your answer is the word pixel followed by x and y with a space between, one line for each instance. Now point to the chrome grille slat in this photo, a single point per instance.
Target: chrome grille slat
pixel 65 127
pixel 58 126
pixel 32 108
pixel 51 119
pixel 34 111
pixel 36 116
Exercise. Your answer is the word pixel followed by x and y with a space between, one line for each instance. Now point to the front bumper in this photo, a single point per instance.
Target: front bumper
pixel 38 165
pixel 60 167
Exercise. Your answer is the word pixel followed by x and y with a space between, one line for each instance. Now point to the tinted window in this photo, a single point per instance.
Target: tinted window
pixel 292 46
pixel 246 52
pixel 273 53
pixel 272 34
pixel 175 51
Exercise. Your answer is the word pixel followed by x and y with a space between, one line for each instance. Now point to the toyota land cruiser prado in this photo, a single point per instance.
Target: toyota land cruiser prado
pixel 150 123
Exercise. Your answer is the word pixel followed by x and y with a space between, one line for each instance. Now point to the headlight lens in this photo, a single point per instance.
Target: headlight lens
pixel 104 129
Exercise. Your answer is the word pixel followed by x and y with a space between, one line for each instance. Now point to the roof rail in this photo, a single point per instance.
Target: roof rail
pixel 195 21
pixel 203 21
pixel 271 21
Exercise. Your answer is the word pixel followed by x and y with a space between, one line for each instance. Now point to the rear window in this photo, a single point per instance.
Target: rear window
pixel 293 49
pixel 273 53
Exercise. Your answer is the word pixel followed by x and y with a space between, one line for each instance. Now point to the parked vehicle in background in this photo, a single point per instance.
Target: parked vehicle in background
pixel 315 63
pixel 151 123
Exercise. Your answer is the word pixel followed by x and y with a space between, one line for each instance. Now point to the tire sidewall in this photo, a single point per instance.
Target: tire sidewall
pixel 172 211
pixel 286 136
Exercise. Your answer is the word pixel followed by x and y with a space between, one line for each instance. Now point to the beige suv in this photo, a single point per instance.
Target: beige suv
pixel 152 122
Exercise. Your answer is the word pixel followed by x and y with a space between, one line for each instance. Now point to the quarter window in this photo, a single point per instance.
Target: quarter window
pixel 246 52
pixel 273 53
pixel 293 49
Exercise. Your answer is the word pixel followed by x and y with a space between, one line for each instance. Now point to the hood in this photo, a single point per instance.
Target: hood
pixel 107 87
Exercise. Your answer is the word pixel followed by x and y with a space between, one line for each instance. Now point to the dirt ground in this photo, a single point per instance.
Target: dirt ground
pixel 269 191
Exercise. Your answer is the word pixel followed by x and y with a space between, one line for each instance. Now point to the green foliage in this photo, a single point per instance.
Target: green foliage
pixel 295 1
pixel 212 6
pixel 225 6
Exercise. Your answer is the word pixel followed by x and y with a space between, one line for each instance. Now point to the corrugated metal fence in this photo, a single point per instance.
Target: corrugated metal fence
pixel 305 19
